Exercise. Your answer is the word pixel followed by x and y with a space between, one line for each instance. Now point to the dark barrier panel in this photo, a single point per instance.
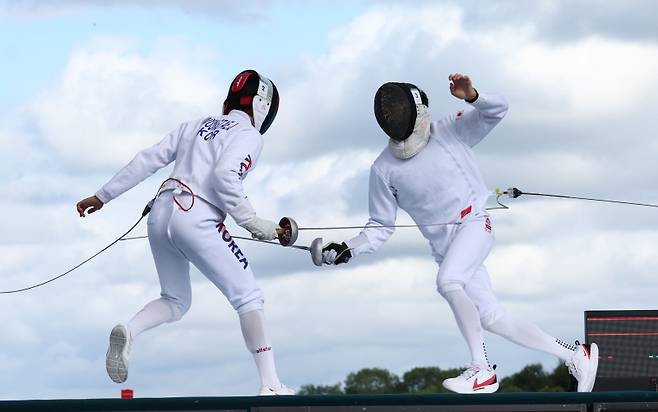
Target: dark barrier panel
pixel 626 407
pixel 628 348
pixel 426 408
pixel 514 402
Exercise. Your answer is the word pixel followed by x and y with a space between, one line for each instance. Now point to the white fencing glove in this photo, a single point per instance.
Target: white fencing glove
pixel 335 254
pixel 261 229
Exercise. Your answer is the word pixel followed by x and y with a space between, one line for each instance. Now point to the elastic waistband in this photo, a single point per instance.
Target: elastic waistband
pixel 178 188
pixel 184 201
pixel 176 191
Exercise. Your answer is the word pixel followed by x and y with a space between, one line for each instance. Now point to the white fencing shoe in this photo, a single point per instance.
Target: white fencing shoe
pixel 116 360
pixel 475 379
pixel 269 391
pixel 583 365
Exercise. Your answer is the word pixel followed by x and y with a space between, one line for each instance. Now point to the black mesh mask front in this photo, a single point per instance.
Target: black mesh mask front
pixel 395 109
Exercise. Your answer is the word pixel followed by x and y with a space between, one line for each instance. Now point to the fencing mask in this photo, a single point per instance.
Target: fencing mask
pixel 250 90
pixel 401 111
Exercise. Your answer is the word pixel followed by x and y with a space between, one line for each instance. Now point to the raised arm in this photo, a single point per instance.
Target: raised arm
pixel 471 126
pixel 143 165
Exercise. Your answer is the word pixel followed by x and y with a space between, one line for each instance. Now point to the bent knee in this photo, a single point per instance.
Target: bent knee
pixel 490 316
pixel 255 300
pixel 444 286
pixel 178 307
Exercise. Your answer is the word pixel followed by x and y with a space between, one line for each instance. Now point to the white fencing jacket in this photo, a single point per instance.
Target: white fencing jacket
pixel 441 184
pixel 213 155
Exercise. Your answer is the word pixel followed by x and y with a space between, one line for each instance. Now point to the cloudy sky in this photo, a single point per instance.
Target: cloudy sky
pixel 84 85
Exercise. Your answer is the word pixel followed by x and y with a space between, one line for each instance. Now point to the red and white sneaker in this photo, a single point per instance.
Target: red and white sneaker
pixel 475 379
pixel 266 390
pixel 583 365
pixel 118 353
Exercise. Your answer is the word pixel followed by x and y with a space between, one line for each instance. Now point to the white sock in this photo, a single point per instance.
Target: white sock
pixel 468 320
pixel 259 344
pixel 153 314
pixel 527 334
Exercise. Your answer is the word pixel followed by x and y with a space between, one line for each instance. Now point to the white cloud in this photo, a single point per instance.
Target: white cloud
pixel 112 101
pixel 326 104
pixel 30 9
pixel 590 80
pixel 304 188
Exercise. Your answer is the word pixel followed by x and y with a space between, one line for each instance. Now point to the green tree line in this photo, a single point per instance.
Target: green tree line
pixel 532 378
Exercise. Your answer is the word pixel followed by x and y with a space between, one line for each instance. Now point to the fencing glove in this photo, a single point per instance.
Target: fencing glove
pixel 335 254
pixel 261 229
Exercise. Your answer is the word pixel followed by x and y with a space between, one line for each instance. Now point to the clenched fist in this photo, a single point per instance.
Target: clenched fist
pixel 92 203
pixel 461 87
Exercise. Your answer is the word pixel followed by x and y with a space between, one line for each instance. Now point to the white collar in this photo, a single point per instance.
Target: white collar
pixel 418 139
pixel 236 112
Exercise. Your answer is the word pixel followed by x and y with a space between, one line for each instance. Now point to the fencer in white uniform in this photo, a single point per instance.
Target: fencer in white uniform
pixel 429 170
pixel 212 157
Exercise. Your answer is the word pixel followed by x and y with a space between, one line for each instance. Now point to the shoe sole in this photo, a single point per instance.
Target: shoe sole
pixel 115 362
pixel 594 366
pixel 483 389
pixel 271 392
pixel 587 382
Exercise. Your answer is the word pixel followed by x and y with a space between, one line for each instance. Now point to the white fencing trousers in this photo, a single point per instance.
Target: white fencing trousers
pixel 463 266
pixel 464 282
pixel 179 238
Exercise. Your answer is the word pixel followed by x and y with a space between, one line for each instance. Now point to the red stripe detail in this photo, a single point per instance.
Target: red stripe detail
pixel 624 334
pixel 628 318
pixel 240 81
pixel 466 211
pixel 489 381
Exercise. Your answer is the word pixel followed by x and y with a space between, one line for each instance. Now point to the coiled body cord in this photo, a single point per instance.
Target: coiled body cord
pixel 145 212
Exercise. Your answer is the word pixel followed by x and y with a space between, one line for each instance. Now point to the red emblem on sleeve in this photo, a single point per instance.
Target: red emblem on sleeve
pixel 245 165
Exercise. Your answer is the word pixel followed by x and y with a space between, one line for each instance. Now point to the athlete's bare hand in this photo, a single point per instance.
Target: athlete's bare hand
pixel 92 203
pixel 461 87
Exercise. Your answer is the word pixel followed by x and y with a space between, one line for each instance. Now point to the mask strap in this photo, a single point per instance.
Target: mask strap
pixel 415 93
